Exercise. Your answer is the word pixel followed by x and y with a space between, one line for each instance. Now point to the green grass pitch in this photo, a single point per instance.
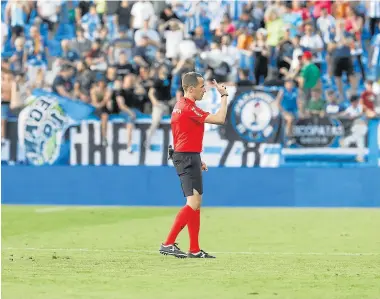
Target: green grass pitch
pixel 112 252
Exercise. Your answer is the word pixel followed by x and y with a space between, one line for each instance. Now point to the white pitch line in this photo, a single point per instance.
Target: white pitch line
pixel 215 252
pixel 51 210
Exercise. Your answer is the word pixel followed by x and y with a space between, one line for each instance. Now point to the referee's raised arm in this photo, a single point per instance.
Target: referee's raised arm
pixel 219 117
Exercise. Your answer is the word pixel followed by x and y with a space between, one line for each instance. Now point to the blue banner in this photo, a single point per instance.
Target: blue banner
pixel 43 123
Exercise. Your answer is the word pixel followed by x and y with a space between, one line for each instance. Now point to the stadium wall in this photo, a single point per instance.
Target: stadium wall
pixel 159 186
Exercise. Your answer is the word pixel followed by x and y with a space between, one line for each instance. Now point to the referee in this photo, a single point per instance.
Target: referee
pixel 187 124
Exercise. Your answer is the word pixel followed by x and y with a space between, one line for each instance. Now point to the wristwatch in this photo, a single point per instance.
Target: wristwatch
pixel 224 95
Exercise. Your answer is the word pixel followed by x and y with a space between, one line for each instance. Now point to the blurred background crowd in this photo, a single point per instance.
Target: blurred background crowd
pixel 127 57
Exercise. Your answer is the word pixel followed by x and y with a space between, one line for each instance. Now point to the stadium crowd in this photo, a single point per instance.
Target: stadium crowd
pixel 127 57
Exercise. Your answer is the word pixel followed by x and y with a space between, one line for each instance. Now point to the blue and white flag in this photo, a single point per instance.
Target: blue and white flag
pixel 43 123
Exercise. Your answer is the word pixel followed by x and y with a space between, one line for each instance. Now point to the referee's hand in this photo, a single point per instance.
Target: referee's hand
pixel 220 87
pixel 204 166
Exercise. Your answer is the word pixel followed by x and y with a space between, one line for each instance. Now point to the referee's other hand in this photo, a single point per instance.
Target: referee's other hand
pixel 220 87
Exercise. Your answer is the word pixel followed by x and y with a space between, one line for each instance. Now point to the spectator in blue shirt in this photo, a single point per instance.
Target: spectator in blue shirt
pixel 288 104
pixel 91 23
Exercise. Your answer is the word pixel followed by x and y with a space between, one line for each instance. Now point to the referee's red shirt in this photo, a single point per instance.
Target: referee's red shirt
pixel 187 123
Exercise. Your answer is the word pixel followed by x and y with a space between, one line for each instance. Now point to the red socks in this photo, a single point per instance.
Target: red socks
pixel 180 222
pixel 190 217
pixel 193 227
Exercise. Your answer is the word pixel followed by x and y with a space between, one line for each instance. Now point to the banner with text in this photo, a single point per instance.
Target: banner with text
pixel 55 130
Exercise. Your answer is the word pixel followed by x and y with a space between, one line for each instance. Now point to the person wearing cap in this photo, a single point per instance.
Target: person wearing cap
pixel 309 77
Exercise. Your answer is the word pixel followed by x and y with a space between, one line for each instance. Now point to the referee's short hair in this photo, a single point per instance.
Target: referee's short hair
pixel 190 80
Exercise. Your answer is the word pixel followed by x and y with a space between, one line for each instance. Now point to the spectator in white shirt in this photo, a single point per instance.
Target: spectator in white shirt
pixel 359 127
pixel 174 34
pixel 232 55
pixel 324 24
pixel 147 32
pixel 48 12
pixel 313 43
pixel 141 11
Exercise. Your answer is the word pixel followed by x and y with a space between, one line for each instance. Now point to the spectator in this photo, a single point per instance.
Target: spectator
pixel 160 60
pixel 6 95
pixel 244 24
pixel 101 8
pixel 129 107
pixel 296 62
pixel 275 31
pixel 359 127
pixel 96 58
pixel 124 17
pixel 159 94
pixel 122 43
pixel 168 14
pixel 288 103
pixel 354 27
pixel 313 43
pixel 37 54
pixel 368 99
pixel 373 7
pixel 173 32
pixel 15 17
pixel 81 44
pixel 91 23
pixel 217 67
pixel 244 79
pixel 68 56
pixel 342 63
pixel 49 11
pixel 316 105
pixel 374 62
pixel 244 39
pixel 83 82
pixel 151 34
pixel 18 59
pixel 199 39
pixel 261 52
pixel 104 38
pixel 309 77
pixel 325 25
pixel 81 10
pixel 62 84
pixel 142 56
pixel 333 107
pixel 292 20
pixel 142 10
pixel 285 51
pixel 232 55
pixel 123 67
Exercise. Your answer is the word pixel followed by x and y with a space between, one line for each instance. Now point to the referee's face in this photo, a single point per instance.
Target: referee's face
pixel 200 90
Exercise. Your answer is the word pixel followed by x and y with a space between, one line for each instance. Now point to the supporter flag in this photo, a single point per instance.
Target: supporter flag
pixel 42 125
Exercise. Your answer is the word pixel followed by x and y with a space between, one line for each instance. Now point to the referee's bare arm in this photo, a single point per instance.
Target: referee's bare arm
pixel 219 117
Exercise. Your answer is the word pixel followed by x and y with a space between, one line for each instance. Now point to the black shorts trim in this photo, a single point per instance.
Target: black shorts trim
pixel 189 171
